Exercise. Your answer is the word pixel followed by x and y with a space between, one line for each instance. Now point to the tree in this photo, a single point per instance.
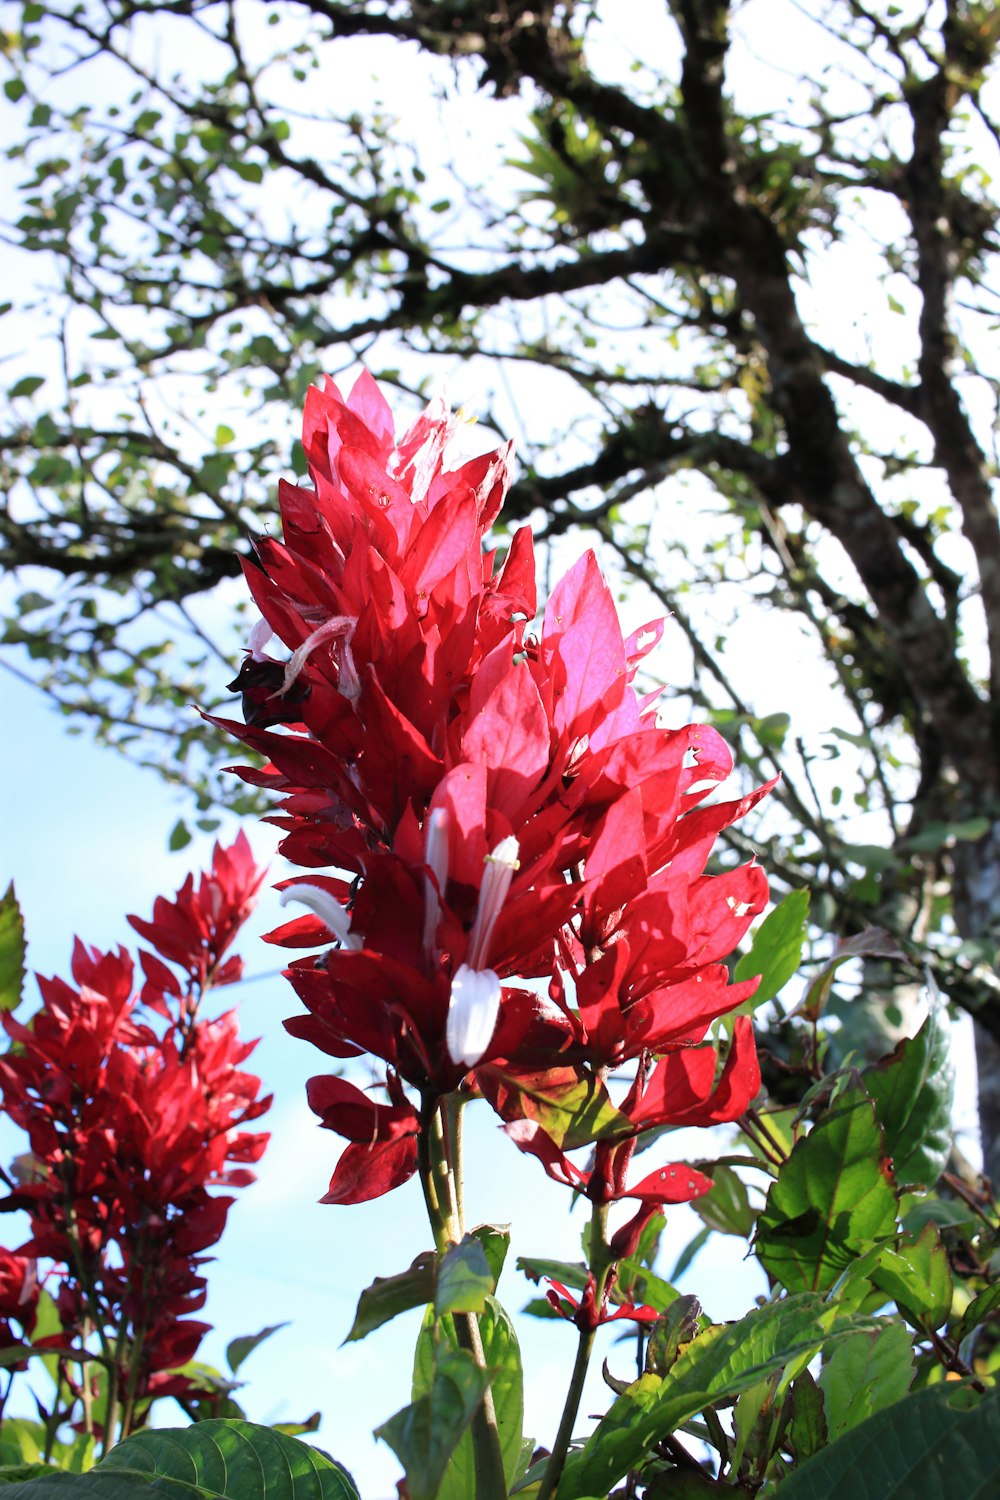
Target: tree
pixel 658 261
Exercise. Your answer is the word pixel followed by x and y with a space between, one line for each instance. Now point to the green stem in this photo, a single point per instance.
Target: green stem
pixel 438 1156
pixel 600 1267
pixel 428 1183
pixel 454 1106
pixel 486 1450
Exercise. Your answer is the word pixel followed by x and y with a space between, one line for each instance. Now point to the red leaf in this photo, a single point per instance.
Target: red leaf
pixel 366 1172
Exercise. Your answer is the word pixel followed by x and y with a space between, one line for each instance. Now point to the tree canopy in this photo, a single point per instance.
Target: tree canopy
pixel 724 273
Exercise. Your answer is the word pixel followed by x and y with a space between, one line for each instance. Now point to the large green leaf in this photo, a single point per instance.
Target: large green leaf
pixel 865 1373
pixel 720 1363
pixel 503 1359
pixel 913 1090
pixel 214 1460
pixel 937 1444
pixel 425 1434
pixel 776 951
pixel 833 1198
pixel 12 950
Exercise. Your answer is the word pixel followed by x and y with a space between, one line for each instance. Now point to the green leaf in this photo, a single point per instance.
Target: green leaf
pixel 721 1362
pixel 936 1444
pixel 807 1422
pixel 832 1200
pixel 726 1207
pixel 426 1433
pixel 390 1295
pixel 213 1460
pixel 917 1276
pixel 865 1373
pixel 238 1350
pixel 572 1114
pixel 180 836
pixel 872 942
pixel 939 1211
pixel 691 1249
pixel 572 1273
pixel 495 1240
pixel 643 1285
pixel 10 1473
pixel 978 1310
pixel 934 836
pixel 47 1323
pixel 29 603
pixel 250 171
pixel 27 386
pixel 464 1278
pixel 22 1442
pixel 503 1359
pixel 913 1090
pixel 679 1325
pixel 223 435
pixel 12 951
pixel 776 951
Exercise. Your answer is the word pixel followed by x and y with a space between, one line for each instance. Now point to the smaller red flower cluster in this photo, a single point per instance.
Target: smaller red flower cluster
pixel 131 1125
pixel 506 810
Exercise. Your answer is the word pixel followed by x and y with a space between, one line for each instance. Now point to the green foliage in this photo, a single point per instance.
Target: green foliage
pixel 913 1090
pixel 503 1359
pixel 721 1362
pixel 863 1374
pixel 211 1461
pixel 240 1349
pixel 464 1278
pixel 425 1434
pixel 934 1445
pixel 833 1198
pixel 776 951
pixel 388 1296
pixel 12 951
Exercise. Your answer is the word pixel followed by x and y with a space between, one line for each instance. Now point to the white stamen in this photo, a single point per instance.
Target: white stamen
pixel 259 637
pixel 436 859
pixel 339 625
pixel 472 1013
pixel 327 908
pixel 497 876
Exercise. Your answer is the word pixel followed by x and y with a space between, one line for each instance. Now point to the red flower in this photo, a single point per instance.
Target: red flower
pixel 584 1311
pixel 131 1127
pixel 505 806
pixel 195 929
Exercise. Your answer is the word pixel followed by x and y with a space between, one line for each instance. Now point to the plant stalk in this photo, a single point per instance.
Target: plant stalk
pixel 600 1267
pixel 438 1155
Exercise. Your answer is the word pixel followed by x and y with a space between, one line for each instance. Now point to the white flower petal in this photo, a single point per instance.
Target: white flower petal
pixel 472 1013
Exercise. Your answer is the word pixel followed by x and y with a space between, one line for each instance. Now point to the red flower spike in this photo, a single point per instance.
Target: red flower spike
pixel 429 729
pixel 132 1127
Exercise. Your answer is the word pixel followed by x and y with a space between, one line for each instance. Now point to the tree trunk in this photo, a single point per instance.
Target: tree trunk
pixel 976 902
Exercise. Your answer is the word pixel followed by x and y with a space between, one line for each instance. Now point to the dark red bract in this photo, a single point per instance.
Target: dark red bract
pixel 477 807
